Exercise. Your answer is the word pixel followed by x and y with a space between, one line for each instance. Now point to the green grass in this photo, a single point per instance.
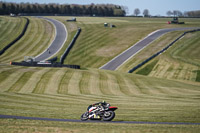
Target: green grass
pixel 36 39
pixel 198 76
pixel 182 60
pixel 150 50
pixel 147 69
pixel 179 62
pixel 97 44
pixel 71 29
pixel 12 126
pixel 187 49
pixel 11 28
pixel 66 93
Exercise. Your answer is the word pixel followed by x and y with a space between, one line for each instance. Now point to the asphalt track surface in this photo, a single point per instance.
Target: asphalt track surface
pixel 93 121
pixel 58 42
pixel 133 50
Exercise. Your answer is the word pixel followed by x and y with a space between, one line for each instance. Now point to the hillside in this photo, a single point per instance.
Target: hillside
pixel 66 93
pixel 180 62
pixel 10 29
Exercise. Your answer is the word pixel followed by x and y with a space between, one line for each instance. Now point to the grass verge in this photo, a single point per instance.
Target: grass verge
pixel 148 68
pixel 13 126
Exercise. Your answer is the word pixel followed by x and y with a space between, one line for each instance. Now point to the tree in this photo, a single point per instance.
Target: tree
pixel 169 13
pixel 99 9
pixel 177 13
pixel 126 10
pixel 136 12
pixel 146 13
pixel 193 13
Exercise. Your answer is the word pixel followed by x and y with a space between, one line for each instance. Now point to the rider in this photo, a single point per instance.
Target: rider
pixel 103 105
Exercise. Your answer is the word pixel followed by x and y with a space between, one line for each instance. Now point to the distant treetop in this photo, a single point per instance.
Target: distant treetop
pixel 62 9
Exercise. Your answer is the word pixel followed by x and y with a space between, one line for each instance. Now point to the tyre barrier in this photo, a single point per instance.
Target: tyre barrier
pixel 70 46
pixel 35 64
pixel 160 52
pixel 16 39
pixel 52 60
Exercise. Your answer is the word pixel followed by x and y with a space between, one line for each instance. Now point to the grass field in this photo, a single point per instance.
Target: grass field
pixel 180 62
pixel 11 28
pixel 66 93
pixel 13 126
pixel 36 39
pixel 97 45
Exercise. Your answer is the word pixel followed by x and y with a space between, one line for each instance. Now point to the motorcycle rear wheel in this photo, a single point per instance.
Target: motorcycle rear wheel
pixel 84 116
pixel 110 117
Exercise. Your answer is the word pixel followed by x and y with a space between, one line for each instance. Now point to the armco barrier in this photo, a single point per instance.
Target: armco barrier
pixel 34 64
pixel 160 52
pixel 70 46
pixel 14 41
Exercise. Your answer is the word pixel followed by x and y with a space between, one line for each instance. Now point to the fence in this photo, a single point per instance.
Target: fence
pixel 16 39
pixel 160 52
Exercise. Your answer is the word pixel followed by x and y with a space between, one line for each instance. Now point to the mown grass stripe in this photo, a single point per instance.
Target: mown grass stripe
pixel 31 38
pixel 113 85
pixel 12 79
pixel 73 87
pixel 84 83
pixel 140 85
pixel 4 74
pixel 44 81
pixel 3 30
pixel 36 39
pixel 93 85
pixel 64 83
pixel 103 85
pixel 54 81
pixel 45 40
pixel 33 80
pixel 12 26
pixel 20 82
pixel 123 86
pixel 133 88
pixel 22 44
pixel 14 51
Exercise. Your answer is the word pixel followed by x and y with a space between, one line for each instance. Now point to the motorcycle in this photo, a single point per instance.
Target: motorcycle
pixel 97 113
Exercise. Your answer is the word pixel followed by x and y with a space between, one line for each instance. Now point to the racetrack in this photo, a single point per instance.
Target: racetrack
pixel 92 121
pixel 58 42
pixel 126 55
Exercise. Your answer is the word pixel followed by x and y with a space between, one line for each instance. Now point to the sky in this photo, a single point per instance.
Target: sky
pixel 155 7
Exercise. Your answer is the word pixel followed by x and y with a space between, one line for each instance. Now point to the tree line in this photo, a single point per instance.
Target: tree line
pixel 61 9
pixel 178 13
pixel 193 13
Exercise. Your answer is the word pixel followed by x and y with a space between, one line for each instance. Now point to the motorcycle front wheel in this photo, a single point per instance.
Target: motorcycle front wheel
pixel 84 116
pixel 109 116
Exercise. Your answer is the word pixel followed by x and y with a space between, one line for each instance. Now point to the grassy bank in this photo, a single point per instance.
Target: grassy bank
pixel 66 93
pixel 12 126
pixel 180 62
pixel 36 39
pixel 97 44
pixel 11 28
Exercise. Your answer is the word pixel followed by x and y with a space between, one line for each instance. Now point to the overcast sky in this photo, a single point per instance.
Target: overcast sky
pixel 156 7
